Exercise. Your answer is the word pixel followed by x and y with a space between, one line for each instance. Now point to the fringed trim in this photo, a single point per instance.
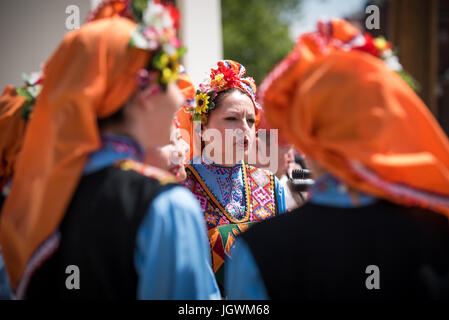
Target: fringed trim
pixel 409 195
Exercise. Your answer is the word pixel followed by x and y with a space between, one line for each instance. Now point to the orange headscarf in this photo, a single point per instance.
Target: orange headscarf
pixel 361 122
pixel 12 128
pixel 183 116
pixel 91 75
pixel 185 84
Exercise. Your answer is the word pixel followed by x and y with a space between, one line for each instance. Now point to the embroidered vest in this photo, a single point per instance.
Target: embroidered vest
pixel 223 228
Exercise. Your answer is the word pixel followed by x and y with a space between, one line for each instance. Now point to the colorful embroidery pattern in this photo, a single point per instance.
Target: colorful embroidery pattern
pixel 119 144
pixel 259 204
pixel 222 240
pixel 162 176
pixel 219 190
pixel 262 199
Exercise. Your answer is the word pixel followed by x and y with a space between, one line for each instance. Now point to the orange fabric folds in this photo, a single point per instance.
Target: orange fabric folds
pixel 183 116
pixel 363 123
pixel 12 128
pixel 91 75
pixel 186 86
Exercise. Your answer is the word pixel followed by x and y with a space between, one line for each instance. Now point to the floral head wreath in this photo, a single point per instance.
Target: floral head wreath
pixel 157 26
pixel 229 74
pixel 30 91
pixel 338 34
pixel 378 47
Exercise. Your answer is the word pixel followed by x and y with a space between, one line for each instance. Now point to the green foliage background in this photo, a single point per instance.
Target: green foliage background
pixel 256 32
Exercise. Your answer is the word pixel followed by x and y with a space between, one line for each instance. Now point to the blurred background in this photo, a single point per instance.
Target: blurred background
pixel 257 33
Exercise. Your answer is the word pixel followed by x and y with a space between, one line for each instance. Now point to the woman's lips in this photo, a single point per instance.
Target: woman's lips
pixel 174 169
pixel 243 143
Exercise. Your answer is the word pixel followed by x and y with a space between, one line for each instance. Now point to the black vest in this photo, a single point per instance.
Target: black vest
pixel 318 252
pixel 98 235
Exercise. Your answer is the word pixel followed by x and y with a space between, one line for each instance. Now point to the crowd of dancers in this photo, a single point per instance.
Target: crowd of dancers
pixel 330 180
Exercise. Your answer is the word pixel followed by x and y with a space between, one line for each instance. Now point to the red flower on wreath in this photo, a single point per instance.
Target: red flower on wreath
pixel 224 78
pixel 173 11
pixel 368 46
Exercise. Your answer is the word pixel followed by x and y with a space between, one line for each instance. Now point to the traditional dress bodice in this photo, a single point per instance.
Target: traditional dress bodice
pixel 232 198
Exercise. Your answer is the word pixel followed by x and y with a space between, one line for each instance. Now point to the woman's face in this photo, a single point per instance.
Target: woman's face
pixel 233 122
pixel 159 112
pixel 171 157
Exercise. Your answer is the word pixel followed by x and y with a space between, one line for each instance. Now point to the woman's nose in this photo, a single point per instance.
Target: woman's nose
pixel 291 154
pixel 245 126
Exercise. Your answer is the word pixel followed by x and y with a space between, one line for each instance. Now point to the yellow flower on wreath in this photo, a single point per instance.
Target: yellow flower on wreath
pixel 169 75
pixel 219 81
pixel 168 66
pixel 381 43
pixel 202 103
pixel 163 61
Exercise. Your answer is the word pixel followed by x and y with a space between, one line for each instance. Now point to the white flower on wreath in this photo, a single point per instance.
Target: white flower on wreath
pixel 155 15
pixel 392 61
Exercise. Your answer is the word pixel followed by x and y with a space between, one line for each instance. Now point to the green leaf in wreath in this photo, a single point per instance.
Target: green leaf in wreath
pixel 182 51
pixel 410 80
pixel 197 117
pixel 138 7
pixel 24 93
pixel 26 109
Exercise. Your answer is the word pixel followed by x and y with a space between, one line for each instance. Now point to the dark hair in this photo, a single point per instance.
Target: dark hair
pixel 114 119
pixel 223 94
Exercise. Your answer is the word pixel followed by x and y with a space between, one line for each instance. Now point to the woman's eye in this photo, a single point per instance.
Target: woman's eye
pixel 231 118
pixel 252 121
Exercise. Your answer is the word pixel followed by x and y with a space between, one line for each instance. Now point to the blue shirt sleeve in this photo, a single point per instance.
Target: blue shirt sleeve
pixel 172 255
pixel 280 195
pixel 5 289
pixel 243 280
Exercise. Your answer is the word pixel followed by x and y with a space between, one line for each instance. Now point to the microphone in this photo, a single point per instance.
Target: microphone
pixel 301 180
pixel 301 174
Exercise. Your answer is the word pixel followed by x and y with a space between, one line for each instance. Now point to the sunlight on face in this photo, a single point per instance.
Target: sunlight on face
pixel 171 157
pixel 234 114
pixel 160 109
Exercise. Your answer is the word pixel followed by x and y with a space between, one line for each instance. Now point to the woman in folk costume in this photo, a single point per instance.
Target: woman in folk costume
pixel 174 156
pixel 81 194
pixel 376 224
pixel 232 194
pixel 16 106
pixel 169 157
